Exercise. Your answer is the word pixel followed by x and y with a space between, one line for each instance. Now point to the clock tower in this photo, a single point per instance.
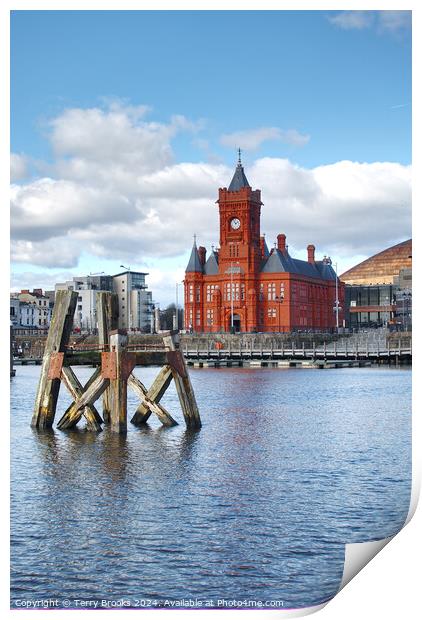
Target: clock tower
pixel 242 287
pixel 240 212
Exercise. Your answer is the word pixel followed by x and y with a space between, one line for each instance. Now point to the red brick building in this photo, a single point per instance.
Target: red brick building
pixel 244 287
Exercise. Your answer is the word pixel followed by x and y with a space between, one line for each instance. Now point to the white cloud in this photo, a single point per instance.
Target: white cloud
pixel 352 20
pixel 57 252
pixel 18 167
pixel 251 139
pixel 345 208
pixel 48 208
pixel 139 206
pixel 390 22
pixel 394 21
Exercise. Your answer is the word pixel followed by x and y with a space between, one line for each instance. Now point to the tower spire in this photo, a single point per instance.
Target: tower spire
pixel 239 179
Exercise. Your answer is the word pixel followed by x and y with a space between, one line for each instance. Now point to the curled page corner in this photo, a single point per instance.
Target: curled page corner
pixel 358 555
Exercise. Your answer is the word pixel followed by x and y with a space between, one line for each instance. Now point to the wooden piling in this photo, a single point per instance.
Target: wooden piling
pixel 155 393
pixel 151 404
pixel 73 385
pixel 121 364
pixel 182 380
pixel 74 413
pixel 107 317
pixel 57 340
pixel 113 377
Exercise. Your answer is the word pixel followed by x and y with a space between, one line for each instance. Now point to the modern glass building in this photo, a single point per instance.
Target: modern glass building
pixel 379 290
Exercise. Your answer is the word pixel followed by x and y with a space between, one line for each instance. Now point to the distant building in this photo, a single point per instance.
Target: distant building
pixel 87 288
pixel 30 310
pixel 135 301
pixel 14 311
pixel 379 290
pixel 29 316
pixel 245 287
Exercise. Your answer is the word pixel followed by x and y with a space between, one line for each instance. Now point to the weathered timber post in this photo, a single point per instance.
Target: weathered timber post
pixel 84 400
pixel 57 340
pixel 181 378
pixel 107 317
pixel 92 391
pixel 117 367
pixel 155 393
pixel 149 404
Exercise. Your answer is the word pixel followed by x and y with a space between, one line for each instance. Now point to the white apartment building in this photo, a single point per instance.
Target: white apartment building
pixel 30 310
pixel 87 288
pixel 135 301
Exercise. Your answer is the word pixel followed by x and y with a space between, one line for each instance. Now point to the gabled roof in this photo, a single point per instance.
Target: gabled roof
pixel 278 262
pixel 266 250
pixel 211 266
pixel 239 179
pixel 326 270
pixel 194 264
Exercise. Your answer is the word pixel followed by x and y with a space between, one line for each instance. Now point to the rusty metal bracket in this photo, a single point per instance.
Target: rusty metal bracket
pixel 109 369
pixel 128 363
pixel 176 362
pixel 56 365
pixel 108 365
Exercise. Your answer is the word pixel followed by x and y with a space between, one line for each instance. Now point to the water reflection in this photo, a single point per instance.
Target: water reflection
pixel 257 504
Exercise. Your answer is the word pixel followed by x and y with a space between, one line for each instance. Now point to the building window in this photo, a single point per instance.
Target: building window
pixel 271 291
pixel 210 317
pixel 198 318
pixel 233 291
pixel 211 288
pixel 233 250
pixel 191 293
pixel 282 290
pixel 79 306
pixel 272 313
pixel 198 294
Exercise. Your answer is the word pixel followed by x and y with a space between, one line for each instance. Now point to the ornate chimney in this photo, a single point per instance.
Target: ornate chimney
pixel 202 254
pixel 311 253
pixel 281 243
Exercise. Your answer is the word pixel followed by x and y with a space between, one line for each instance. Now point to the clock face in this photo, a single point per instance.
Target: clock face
pixel 235 223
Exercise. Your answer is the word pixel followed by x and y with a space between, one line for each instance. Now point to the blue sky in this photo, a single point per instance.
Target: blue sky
pixel 307 88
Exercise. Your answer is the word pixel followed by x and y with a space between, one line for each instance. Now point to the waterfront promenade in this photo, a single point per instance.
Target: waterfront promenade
pixel 376 346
